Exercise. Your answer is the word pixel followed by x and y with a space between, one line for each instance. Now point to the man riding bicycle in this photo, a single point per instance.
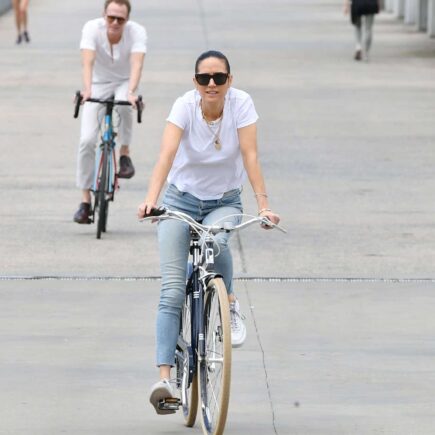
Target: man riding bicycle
pixel 113 51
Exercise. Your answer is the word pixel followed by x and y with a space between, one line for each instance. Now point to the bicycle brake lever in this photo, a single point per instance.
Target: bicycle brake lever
pixel 268 223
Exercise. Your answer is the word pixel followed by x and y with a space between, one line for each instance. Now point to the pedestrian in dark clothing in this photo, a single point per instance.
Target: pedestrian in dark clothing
pixel 362 15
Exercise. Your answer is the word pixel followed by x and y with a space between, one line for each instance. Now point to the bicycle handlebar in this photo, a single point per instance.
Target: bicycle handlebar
pixel 162 213
pixel 79 99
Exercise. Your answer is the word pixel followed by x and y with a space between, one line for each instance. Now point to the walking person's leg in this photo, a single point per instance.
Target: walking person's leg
pixel 17 12
pixel 24 4
pixel 358 38
pixel 368 34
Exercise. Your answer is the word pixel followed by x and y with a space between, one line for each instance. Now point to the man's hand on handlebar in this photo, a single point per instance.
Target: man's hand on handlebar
pixel 85 95
pixel 134 100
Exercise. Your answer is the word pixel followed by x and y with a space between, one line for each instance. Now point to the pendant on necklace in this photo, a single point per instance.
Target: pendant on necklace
pixel 217 144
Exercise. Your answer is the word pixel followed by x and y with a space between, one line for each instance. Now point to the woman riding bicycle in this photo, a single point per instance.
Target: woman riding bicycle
pixel 209 145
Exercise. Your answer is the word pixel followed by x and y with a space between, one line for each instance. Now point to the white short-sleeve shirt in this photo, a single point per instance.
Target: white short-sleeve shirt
pixel 199 168
pixel 112 65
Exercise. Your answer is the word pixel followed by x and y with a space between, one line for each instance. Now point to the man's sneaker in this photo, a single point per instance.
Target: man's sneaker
pixel 238 328
pixel 81 216
pixel 126 168
pixel 159 391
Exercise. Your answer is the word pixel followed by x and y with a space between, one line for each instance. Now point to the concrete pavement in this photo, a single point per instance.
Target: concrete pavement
pixel 320 358
pixel 347 151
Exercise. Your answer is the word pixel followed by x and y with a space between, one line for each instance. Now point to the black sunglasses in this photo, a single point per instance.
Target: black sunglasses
pixel 112 18
pixel 219 78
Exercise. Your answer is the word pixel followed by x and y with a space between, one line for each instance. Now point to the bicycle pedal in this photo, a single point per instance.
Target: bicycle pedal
pixel 170 404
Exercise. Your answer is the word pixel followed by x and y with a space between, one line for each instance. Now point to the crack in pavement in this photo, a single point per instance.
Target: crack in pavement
pixel 257 332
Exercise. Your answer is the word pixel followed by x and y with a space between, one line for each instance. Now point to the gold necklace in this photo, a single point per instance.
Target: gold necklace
pixel 216 138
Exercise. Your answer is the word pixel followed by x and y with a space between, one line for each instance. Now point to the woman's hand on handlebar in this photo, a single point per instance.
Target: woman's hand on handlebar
pixel 273 217
pixel 145 209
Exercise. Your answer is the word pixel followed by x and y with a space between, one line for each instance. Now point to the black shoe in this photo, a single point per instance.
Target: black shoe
pixel 19 39
pixel 358 55
pixel 126 168
pixel 26 36
pixel 81 216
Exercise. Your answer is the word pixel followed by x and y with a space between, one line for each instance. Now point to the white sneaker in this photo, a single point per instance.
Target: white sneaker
pixel 238 328
pixel 161 390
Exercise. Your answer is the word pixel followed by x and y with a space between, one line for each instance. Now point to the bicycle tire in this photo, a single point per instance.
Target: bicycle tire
pixel 214 372
pixel 101 201
pixel 189 393
pixel 106 214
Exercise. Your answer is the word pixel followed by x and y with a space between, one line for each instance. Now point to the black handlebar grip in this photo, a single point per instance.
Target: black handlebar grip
pixel 78 102
pixel 139 106
pixel 156 212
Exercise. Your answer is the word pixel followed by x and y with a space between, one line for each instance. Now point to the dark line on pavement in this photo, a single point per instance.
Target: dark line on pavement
pixel 266 375
pixel 257 332
pixel 240 278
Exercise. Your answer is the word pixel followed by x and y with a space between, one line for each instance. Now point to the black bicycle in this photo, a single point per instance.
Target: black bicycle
pixel 203 353
pixel 106 174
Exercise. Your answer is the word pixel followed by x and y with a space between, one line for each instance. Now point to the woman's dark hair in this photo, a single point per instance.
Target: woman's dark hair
pixel 212 53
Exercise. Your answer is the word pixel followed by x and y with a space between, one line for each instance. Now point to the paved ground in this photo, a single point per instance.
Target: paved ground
pixel 347 150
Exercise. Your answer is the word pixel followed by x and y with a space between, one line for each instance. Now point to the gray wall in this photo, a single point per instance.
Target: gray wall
pixel 5 5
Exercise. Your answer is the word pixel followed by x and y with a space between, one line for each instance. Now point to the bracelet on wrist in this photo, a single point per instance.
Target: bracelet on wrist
pixel 264 209
pixel 260 194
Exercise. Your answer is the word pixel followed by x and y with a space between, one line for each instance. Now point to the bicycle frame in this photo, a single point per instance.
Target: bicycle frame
pixel 196 284
pixel 108 139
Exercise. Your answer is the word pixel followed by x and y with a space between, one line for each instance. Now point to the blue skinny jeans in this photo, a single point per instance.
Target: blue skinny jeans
pixel 174 242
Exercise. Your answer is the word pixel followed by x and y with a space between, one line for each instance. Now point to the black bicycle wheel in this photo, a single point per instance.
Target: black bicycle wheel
pixel 106 214
pixel 111 184
pixel 188 390
pixel 215 369
pixel 100 194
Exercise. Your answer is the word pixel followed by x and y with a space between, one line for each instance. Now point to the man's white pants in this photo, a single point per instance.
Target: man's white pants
pixel 92 116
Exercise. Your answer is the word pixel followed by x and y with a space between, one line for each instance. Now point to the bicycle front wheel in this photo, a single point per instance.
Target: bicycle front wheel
pixel 215 369
pixel 101 205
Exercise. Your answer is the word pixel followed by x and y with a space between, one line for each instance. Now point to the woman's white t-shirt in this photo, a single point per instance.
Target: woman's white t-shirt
pixel 112 63
pixel 199 168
